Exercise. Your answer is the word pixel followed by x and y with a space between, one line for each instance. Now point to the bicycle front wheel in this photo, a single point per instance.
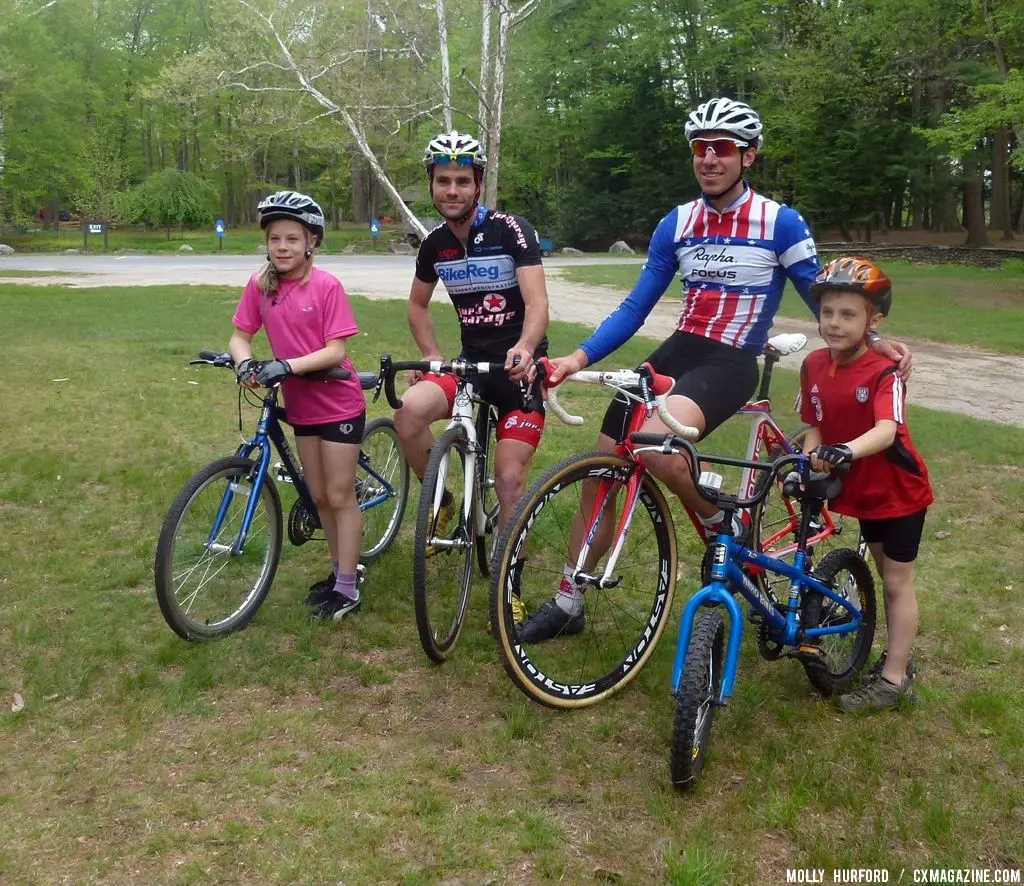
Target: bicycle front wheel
pixel 208 584
pixel 443 549
pixel 697 699
pixel 382 487
pixel 621 623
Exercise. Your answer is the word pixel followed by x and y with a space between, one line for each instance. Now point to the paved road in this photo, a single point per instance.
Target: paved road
pixel 955 379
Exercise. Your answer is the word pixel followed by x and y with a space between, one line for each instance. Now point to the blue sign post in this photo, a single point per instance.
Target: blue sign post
pixel 218 229
pixel 374 228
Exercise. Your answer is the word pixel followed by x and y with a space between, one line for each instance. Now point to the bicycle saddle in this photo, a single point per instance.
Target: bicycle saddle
pixel 787 343
pixel 368 380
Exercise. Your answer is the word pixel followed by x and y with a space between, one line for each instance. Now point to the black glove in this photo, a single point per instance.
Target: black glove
pixel 272 372
pixel 244 369
pixel 834 455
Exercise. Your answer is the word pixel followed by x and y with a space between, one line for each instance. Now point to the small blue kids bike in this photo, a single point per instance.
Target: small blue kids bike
pixel 827 621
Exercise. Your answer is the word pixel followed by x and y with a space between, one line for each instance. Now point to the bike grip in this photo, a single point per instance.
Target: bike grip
pixel 560 411
pixel 337 372
pixel 680 430
pixel 644 439
pixel 215 356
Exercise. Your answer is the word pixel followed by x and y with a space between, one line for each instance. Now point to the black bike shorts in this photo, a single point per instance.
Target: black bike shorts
pixel 900 536
pixel 348 430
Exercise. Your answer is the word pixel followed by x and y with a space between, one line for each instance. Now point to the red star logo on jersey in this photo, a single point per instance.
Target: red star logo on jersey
pixel 494 302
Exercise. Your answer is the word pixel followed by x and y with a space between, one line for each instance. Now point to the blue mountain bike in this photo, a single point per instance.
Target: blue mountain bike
pixel 221 540
pixel 826 622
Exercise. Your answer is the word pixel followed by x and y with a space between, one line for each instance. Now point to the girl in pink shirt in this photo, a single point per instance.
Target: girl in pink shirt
pixel 307 318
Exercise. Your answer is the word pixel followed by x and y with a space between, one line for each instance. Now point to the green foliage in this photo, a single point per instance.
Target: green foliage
pixel 170 197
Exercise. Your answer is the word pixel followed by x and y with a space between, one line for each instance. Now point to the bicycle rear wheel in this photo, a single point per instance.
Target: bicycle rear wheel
pixel 382 487
pixel 486 431
pixel 843 655
pixel 697 699
pixel 622 624
pixel 443 548
pixel 206 588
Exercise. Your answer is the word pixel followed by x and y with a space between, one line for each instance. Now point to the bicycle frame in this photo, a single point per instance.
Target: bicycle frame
pixel 767 437
pixel 725 574
pixel 462 414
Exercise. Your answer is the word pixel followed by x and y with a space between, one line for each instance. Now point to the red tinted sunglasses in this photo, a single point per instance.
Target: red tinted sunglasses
pixel 722 147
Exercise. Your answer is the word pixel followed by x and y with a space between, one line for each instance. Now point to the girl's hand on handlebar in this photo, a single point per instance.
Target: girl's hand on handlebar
pixel 245 373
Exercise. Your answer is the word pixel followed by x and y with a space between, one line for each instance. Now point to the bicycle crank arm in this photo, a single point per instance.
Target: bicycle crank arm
pixel 598 581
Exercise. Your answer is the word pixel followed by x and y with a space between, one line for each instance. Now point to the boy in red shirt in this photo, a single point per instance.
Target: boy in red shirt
pixel 854 401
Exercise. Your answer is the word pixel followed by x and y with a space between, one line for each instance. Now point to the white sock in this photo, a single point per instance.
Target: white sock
pixel 570 594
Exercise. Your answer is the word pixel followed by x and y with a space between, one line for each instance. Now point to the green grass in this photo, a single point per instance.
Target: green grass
pixel 295 753
pixel 982 307
pixel 237 241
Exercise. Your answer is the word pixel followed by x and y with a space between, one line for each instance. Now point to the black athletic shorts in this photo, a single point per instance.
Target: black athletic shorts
pixel 900 536
pixel 718 378
pixel 348 430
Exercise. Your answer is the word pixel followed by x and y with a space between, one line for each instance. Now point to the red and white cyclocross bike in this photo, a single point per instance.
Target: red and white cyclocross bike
pixel 570 524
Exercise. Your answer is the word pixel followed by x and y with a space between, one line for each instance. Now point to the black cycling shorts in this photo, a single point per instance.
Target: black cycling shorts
pixel 900 536
pixel 348 430
pixel 718 378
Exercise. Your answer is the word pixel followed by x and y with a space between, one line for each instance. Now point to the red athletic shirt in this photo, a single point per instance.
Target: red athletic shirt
pixel 846 400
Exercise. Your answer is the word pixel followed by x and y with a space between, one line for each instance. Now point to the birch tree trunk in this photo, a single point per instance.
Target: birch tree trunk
pixel 483 106
pixel 446 76
pixel 497 100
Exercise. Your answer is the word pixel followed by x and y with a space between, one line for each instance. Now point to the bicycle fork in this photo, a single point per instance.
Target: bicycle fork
pixel 252 497
pixel 597 513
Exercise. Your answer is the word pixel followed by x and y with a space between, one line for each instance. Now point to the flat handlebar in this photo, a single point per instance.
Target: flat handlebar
pixel 223 358
pixel 669 443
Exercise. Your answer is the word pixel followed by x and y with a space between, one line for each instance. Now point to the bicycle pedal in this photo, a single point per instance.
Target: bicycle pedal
pixel 808 654
pixel 282 474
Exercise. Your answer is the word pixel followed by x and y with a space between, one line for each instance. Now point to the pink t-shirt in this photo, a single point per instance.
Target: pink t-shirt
pixel 301 318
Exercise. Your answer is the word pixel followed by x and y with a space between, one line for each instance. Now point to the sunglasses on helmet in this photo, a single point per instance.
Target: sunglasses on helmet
pixel 721 147
pixel 440 159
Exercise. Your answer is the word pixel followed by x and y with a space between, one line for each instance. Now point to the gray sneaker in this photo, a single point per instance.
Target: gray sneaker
pixel 876 669
pixel 877 694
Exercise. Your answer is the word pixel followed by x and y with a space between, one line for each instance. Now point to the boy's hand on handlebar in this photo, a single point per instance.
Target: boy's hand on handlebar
pixel 559 368
pixel 273 372
pixel 828 458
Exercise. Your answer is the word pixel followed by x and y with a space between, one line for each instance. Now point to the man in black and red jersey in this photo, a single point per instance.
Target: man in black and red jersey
pixel 490 264
pixel 854 400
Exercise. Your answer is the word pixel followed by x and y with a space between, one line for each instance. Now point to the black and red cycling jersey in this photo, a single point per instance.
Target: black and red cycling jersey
pixel 482 281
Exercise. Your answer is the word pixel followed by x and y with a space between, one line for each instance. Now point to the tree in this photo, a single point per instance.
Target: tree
pixel 170 197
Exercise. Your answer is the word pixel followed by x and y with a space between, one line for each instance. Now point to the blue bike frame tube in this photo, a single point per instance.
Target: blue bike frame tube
pixel 389 490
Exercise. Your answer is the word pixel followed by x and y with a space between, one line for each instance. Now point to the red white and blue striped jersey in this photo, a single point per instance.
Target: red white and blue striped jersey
pixel 734 265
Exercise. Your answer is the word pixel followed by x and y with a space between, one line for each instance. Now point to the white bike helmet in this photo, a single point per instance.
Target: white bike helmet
pixel 726 115
pixel 454 145
pixel 295 206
